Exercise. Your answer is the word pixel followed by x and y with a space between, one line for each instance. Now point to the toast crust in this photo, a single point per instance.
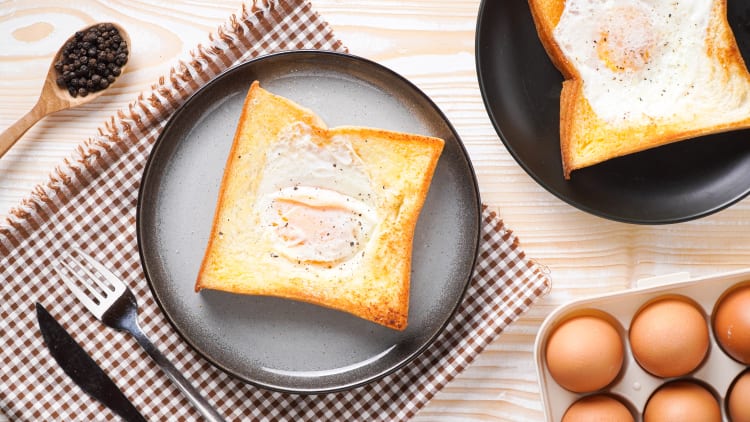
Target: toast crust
pixel 373 284
pixel 587 139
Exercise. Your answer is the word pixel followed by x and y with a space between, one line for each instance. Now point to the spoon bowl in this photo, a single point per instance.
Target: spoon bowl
pixel 53 97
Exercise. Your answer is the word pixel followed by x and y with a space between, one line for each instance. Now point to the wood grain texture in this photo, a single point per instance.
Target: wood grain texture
pixel 432 44
pixel 52 97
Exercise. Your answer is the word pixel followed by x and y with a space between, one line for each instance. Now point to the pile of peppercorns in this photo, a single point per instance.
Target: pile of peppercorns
pixel 91 60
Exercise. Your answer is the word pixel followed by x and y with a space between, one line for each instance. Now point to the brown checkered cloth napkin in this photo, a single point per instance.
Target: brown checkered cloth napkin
pixel 91 201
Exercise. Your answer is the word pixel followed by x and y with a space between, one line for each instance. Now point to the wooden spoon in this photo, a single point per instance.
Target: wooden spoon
pixel 53 98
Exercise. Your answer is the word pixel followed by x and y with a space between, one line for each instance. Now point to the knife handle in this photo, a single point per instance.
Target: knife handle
pixel 188 390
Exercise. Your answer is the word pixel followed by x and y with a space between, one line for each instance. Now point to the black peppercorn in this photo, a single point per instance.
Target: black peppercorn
pixel 91 60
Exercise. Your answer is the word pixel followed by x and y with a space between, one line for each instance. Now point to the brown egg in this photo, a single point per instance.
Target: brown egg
pixel 732 324
pixel 669 337
pixel 596 409
pixel 682 401
pixel 738 400
pixel 584 354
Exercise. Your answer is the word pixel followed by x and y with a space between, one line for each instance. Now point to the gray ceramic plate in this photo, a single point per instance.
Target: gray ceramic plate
pixel 281 344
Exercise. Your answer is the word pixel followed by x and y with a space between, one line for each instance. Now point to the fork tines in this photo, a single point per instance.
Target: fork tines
pixel 90 281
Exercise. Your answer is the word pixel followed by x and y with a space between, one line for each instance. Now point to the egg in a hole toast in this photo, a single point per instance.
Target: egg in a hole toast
pixel 641 74
pixel 324 216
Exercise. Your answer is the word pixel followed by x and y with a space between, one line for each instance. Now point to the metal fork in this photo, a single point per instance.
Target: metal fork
pixel 110 300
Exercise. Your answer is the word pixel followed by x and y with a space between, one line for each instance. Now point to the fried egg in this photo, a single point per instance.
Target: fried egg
pixel 315 199
pixel 646 60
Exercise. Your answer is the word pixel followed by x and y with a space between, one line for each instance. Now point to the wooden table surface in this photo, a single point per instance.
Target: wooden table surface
pixel 432 44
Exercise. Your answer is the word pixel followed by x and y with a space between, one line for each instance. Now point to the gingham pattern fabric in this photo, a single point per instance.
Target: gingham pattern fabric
pixel 90 202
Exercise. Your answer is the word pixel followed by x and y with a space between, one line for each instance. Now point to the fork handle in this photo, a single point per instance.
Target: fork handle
pixel 188 390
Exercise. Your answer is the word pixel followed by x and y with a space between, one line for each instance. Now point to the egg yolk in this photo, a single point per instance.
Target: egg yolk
pixel 313 224
pixel 315 200
pixel 626 39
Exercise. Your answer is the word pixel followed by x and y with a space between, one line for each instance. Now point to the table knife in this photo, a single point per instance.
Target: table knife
pixel 82 369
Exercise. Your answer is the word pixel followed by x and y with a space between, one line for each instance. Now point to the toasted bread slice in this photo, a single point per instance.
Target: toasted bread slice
pixel 633 85
pixel 319 215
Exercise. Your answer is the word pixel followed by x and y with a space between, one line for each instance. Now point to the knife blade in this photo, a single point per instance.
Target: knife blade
pixel 82 369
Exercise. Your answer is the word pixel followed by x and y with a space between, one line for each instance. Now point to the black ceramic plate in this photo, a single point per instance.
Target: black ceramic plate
pixel 669 184
pixel 282 344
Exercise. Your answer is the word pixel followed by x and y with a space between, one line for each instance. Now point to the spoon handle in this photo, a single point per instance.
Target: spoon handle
pixel 17 129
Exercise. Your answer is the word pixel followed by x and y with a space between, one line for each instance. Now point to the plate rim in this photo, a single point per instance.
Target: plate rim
pixel 478 61
pixel 147 170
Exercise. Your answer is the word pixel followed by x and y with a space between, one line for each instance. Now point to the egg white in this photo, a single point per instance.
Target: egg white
pixel 642 61
pixel 315 199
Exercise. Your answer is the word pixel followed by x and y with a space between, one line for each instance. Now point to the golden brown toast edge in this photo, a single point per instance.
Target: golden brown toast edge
pixel 546 15
pixel 256 95
pixel 396 254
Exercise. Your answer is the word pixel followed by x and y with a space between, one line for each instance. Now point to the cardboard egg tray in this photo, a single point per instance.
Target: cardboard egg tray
pixel 634 385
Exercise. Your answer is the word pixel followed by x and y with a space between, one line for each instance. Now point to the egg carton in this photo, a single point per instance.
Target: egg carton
pixel 634 386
